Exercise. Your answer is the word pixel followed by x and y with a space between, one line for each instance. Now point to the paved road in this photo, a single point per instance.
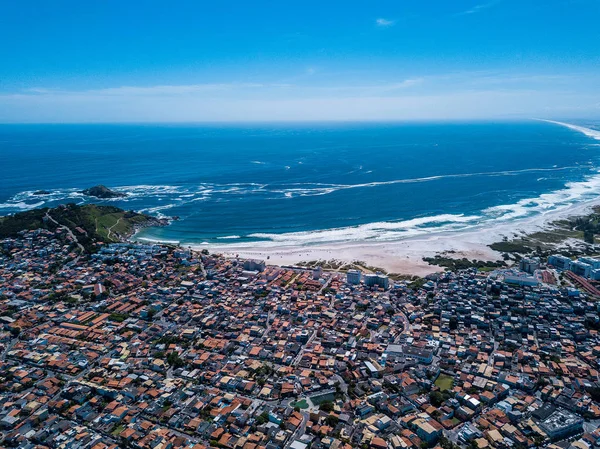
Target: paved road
pixel 342 382
pixel 299 431
pixel 268 328
pixel 111 228
pixel 301 353
pixel 8 348
pixel 67 230
pixel 405 326
pixel 325 285
pixel 591 426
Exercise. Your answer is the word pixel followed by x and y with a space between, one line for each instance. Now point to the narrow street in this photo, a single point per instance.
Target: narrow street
pixel 79 245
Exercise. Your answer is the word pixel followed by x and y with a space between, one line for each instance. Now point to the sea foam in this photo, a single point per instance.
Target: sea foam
pixel 561 199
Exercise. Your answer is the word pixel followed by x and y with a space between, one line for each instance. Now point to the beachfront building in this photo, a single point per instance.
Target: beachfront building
pixel 383 281
pixel 254 265
pixel 587 267
pixel 580 268
pixel 377 279
pixel 560 262
pixel 317 272
pixel 595 263
pixel 529 264
pixel 353 277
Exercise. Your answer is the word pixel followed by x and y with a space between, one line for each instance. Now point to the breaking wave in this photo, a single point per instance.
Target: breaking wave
pixel 593 133
pixel 160 200
pixel 184 194
pixel 573 193
pixel 385 230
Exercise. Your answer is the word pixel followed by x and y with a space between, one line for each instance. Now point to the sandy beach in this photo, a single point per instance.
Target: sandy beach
pixel 406 256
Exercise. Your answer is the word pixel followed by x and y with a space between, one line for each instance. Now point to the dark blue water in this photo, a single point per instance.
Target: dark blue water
pixel 281 183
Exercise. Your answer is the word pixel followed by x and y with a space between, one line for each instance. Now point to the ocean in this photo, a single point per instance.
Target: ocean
pixel 305 184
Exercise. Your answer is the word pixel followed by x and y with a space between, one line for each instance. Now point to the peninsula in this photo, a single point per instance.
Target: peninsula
pixel 93 224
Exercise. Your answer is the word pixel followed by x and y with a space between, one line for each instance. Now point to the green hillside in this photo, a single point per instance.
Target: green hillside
pixel 90 223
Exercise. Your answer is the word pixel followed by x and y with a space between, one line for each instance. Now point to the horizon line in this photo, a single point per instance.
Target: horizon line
pixel 302 121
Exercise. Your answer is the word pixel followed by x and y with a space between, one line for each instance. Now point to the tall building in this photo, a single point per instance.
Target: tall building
pixel 383 281
pixel 370 280
pixel 254 265
pixel 379 279
pixel 529 264
pixel 580 268
pixel 560 262
pixel 595 263
pixel 317 272
pixel 353 277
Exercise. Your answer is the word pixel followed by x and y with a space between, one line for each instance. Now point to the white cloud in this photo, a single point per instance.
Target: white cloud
pixel 367 89
pixel 381 22
pixel 156 90
pixel 450 96
pixel 444 105
pixel 478 8
pixel 405 84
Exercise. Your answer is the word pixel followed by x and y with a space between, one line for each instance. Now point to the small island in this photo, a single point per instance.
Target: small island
pixel 42 192
pixel 103 192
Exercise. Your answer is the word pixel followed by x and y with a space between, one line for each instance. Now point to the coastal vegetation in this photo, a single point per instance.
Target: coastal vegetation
pixel 461 264
pixel 589 226
pixel 11 225
pixel 574 235
pixel 510 247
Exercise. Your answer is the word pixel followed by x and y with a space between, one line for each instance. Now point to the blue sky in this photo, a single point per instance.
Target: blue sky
pixel 119 61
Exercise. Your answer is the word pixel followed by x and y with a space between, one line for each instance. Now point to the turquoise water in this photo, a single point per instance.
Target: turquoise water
pixel 307 183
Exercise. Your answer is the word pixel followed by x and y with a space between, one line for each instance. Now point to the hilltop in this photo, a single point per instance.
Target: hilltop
pixel 90 223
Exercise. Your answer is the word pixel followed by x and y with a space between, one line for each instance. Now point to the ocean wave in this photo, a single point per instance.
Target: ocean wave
pixel 573 192
pixel 291 190
pixel 21 205
pixel 157 240
pixel 157 209
pixel 144 191
pixel 145 198
pixel 593 133
pixel 138 196
pixel 336 187
pixel 379 231
pixel 556 201
pixel 27 200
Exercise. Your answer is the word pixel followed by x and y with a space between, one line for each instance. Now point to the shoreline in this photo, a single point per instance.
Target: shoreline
pixel 401 256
